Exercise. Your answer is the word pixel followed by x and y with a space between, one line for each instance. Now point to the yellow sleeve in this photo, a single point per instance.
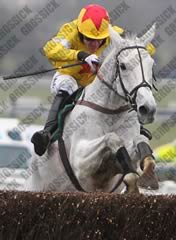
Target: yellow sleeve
pixel 59 48
pixel 118 29
pixel 151 49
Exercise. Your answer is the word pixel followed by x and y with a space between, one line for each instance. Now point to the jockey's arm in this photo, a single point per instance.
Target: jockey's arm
pixel 59 48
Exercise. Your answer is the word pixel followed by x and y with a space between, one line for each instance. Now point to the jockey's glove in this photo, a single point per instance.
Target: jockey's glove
pixel 91 59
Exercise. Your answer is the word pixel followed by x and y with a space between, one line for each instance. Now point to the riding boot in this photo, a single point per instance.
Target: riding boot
pixel 41 139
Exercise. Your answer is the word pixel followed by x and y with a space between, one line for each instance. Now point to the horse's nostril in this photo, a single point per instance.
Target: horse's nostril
pixel 143 110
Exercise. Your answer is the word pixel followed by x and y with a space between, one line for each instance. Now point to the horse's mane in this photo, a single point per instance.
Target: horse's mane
pixel 128 36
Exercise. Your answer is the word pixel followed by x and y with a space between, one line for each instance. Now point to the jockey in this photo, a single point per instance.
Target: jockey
pixel 83 39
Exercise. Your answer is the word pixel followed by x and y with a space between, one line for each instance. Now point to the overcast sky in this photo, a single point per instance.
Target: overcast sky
pixel 133 15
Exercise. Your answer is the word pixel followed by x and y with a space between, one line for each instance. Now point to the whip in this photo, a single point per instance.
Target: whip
pixel 41 72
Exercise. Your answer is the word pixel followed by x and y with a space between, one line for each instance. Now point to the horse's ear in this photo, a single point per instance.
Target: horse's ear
pixel 115 36
pixel 149 35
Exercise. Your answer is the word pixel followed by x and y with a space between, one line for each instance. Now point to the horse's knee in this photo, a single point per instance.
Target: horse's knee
pixel 113 141
pixel 83 167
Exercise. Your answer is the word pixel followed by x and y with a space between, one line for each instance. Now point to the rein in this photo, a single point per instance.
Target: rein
pixel 102 109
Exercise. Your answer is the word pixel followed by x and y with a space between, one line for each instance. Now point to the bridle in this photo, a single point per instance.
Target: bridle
pixel 128 96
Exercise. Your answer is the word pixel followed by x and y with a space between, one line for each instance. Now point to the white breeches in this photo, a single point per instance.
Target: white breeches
pixel 63 82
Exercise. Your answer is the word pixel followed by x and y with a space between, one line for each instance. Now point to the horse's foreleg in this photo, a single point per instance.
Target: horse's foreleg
pixel 148 179
pixel 87 155
pixel 109 167
pixel 131 182
pixel 113 164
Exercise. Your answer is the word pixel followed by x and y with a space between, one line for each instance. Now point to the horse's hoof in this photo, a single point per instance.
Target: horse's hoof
pixel 148 181
pixel 130 181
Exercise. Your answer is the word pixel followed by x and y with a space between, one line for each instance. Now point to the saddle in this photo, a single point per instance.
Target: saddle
pixel 71 99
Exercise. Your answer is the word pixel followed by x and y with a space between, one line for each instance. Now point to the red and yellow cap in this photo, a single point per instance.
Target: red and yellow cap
pixel 93 21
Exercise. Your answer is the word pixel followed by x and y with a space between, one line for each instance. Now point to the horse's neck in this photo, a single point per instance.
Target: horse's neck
pixel 99 93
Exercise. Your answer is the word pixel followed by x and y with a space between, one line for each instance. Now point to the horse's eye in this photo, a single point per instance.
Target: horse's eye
pixel 122 66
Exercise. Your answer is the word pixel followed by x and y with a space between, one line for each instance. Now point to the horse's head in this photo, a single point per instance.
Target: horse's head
pixel 133 67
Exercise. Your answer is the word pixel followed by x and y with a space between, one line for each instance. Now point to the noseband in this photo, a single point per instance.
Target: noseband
pixel 128 96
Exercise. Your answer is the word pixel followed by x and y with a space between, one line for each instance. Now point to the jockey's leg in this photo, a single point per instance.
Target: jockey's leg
pixel 148 177
pixel 41 138
pixel 61 86
pixel 51 122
